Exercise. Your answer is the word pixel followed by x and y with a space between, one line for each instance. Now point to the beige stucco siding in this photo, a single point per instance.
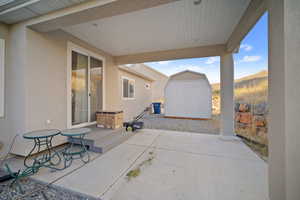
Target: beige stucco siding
pixel 13 121
pixel 3 31
pixel 47 85
pixel 36 83
pixel 141 100
pixel 159 83
pixel 5 122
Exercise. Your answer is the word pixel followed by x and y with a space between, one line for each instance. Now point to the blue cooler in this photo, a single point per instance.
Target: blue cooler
pixel 156 108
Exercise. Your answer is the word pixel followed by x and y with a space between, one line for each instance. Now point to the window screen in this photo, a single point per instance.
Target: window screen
pixel 128 88
pixel 131 89
pixel 125 88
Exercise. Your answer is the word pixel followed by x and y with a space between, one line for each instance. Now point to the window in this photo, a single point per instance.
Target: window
pixel 2 55
pixel 128 88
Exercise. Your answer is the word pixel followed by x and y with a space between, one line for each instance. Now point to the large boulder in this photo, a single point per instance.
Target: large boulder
pixel 260 121
pixel 245 118
pixel 260 109
pixel 244 107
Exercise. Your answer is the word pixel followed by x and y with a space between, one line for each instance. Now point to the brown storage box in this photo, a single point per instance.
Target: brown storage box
pixel 110 119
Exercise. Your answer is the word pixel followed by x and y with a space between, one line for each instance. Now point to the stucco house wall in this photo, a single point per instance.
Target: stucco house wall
pixel 36 82
pixel 188 95
pixel 13 121
pixel 5 121
pixel 142 99
pixel 159 83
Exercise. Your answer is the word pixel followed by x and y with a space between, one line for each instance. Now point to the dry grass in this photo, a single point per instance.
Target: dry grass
pixel 252 94
pixel 261 150
pixel 133 173
pixel 137 171
pixel 252 134
pixel 251 89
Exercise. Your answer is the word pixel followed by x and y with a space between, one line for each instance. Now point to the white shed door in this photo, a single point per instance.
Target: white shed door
pixel 190 99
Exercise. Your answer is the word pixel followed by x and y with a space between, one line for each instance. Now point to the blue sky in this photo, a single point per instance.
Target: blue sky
pixel 252 57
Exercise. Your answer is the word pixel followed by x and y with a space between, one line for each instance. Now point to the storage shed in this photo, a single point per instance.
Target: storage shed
pixel 188 95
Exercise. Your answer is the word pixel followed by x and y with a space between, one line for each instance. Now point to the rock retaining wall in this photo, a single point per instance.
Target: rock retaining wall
pixel 251 121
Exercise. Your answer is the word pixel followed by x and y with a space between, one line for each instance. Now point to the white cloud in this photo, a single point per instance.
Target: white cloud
pixel 246 47
pixel 250 59
pixel 164 62
pixel 212 60
pixel 194 68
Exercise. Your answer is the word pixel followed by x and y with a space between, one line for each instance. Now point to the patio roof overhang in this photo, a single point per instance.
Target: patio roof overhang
pixel 136 31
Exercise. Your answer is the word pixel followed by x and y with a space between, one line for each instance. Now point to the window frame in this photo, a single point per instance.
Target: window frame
pixel 82 50
pixel 129 80
pixel 2 77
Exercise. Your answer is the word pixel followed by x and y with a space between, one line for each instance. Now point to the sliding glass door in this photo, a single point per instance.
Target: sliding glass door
pixel 80 90
pixel 86 88
pixel 96 77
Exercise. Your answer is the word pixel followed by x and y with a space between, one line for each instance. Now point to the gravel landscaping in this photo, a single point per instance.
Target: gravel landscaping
pixel 198 126
pixel 36 190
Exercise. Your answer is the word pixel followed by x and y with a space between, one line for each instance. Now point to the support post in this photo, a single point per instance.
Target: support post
pixel 227 101
pixel 284 98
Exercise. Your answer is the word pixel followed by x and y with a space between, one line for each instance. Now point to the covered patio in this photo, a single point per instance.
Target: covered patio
pixel 158 164
pixel 137 31
pixel 144 31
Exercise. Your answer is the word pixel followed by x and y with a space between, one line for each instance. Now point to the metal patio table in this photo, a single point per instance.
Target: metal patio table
pixel 76 148
pixel 45 155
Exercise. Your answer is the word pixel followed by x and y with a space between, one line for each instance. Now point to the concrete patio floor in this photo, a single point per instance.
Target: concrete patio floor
pixel 184 166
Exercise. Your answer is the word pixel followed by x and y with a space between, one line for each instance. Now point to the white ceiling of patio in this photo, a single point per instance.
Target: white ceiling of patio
pixel 176 25
pixel 14 11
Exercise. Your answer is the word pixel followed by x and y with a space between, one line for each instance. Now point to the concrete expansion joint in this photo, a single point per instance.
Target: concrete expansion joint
pixel 130 166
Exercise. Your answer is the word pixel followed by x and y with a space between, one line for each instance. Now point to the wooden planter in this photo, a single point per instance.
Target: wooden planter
pixel 110 119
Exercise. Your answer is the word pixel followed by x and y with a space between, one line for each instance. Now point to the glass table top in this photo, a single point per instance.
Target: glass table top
pixel 41 134
pixel 75 131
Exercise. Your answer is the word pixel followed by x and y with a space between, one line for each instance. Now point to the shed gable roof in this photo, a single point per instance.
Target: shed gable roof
pixel 187 75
